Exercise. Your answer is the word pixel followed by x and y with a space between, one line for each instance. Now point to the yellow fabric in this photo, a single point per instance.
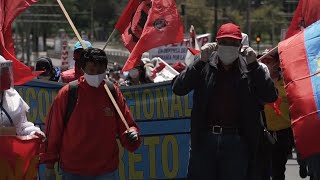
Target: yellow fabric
pixel 278 122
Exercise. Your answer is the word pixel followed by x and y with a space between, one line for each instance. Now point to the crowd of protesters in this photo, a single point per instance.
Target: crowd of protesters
pixel 226 133
pixel 141 74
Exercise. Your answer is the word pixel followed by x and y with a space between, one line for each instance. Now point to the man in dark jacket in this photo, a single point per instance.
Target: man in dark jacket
pixel 225 122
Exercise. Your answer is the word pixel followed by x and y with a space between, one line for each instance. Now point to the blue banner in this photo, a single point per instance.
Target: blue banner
pixel 164 120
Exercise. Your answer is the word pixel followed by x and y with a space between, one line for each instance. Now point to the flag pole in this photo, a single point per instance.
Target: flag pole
pixel 71 24
pixel 171 68
pixel 83 45
pixel 117 107
pixel 109 38
pixel 274 50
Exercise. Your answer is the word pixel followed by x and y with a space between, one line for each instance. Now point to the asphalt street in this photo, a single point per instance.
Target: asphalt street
pixel 292 171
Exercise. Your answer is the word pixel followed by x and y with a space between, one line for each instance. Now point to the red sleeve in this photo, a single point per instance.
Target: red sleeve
pixel 125 142
pixel 54 128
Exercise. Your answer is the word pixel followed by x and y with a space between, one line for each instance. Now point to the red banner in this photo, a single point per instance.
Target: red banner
pixel 19 157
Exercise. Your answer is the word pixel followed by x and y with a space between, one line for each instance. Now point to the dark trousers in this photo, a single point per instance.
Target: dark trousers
pixel 273 157
pixel 314 166
pixel 220 157
pixel 106 176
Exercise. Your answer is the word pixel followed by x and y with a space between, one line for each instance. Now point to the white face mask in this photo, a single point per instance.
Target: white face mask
pixel 95 80
pixel 228 54
pixel 134 73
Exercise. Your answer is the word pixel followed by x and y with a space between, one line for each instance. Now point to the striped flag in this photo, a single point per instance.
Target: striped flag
pixel 300 61
pixel 194 48
pixel 160 71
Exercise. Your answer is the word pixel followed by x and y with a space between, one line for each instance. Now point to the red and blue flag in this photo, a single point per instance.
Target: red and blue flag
pixel 300 62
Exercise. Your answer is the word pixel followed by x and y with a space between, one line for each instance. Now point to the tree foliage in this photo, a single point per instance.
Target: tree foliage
pixel 268 20
pixel 265 15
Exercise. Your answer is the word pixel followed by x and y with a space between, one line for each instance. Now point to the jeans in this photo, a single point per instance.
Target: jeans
pixel 220 157
pixel 314 166
pixel 107 176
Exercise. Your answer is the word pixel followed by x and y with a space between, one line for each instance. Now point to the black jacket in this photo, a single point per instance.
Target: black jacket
pixel 255 88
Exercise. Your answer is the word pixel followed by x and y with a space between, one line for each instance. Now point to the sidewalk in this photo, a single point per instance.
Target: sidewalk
pixel 292 171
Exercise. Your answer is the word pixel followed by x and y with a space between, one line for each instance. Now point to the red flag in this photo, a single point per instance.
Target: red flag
pixel 193 38
pixel 152 24
pixel 307 12
pixel 159 68
pixel 194 51
pixel 125 18
pixel 276 106
pixel 19 157
pixel 132 21
pixel 179 66
pixel 8 12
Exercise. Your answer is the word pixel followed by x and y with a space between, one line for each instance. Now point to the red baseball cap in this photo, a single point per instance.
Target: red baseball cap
pixel 229 30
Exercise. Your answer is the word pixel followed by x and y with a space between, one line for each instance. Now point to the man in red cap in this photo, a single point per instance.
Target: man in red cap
pixel 228 90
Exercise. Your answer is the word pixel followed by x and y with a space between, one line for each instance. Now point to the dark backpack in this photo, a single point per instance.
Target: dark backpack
pixel 73 96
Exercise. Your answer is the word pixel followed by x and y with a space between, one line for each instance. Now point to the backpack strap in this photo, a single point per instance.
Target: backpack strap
pixel 72 101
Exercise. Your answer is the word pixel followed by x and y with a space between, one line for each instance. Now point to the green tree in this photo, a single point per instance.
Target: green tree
pixel 268 21
pixel 196 14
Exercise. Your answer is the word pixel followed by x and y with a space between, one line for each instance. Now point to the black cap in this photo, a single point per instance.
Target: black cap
pixel 44 64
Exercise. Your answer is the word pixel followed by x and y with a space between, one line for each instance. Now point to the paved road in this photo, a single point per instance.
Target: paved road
pixel 292 172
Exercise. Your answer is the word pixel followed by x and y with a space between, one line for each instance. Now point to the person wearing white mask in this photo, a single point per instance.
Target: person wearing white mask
pixel 134 76
pixel 86 146
pixel 138 75
pixel 13 109
pixel 225 122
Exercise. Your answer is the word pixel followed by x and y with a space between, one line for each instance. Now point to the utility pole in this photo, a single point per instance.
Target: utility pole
pixel 272 30
pixel 186 23
pixel 215 29
pixel 248 21
pixel 44 34
pixel 258 40
pixel 184 14
pixel 92 22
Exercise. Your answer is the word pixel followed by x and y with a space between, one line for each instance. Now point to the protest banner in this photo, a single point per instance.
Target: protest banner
pixel 177 52
pixel 163 117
